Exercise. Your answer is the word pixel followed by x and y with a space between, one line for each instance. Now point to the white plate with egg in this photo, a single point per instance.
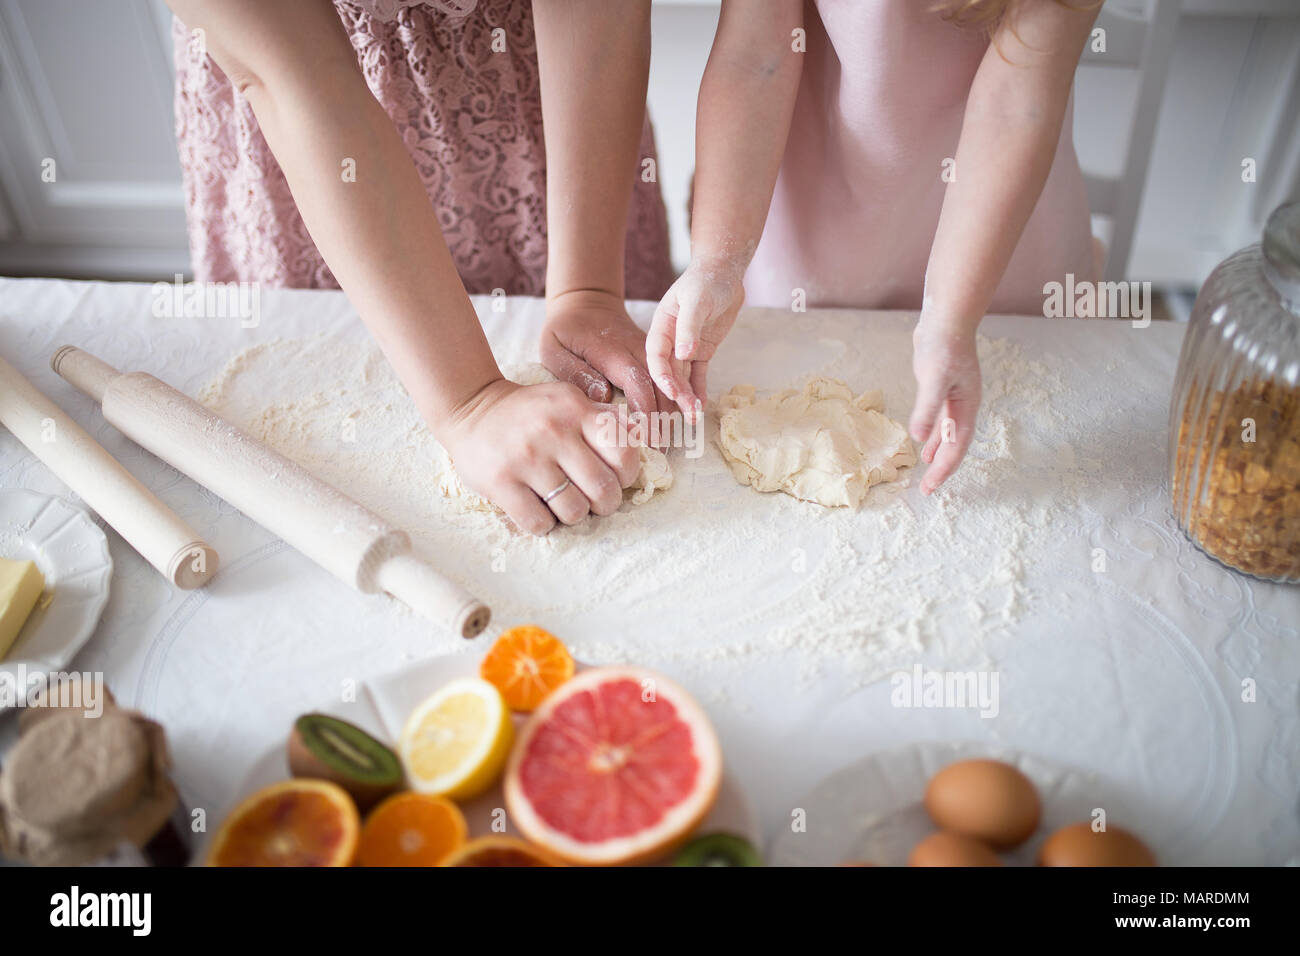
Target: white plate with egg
pixel 71 552
pixel 872 811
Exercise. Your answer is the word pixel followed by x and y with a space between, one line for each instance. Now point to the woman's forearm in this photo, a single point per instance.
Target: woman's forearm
pixel 382 242
pixel 593 58
pixel 356 188
pixel 1009 138
pixel 745 106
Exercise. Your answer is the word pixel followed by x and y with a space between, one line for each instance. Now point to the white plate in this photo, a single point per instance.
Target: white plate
pixel 871 811
pixel 381 708
pixel 72 553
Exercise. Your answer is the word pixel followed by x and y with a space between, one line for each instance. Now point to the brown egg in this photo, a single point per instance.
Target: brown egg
pixel 986 800
pixel 1079 845
pixel 951 849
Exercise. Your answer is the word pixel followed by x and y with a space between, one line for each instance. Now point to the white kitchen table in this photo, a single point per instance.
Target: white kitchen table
pixel 787 621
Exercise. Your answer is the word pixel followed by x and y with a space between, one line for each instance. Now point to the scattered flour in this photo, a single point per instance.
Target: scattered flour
pixel 707 571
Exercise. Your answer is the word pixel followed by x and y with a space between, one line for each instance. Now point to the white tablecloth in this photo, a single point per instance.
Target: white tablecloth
pixel 1132 674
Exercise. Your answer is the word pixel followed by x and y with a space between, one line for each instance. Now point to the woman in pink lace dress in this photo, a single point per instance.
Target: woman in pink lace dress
pixel 471 118
pixel 394 148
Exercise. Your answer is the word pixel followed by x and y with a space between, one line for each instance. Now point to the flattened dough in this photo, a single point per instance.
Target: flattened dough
pixel 655 474
pixel 818 443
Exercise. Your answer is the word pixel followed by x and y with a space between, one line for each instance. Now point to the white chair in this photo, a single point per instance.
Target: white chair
pixel 1140 36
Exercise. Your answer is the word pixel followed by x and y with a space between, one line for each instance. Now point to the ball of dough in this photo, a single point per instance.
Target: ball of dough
pixel 818 443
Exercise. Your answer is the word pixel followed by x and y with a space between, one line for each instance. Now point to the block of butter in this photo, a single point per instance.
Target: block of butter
pixel 21 583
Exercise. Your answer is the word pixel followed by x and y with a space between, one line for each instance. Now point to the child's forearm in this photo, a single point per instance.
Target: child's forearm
pixel 376 228
pixel 745 105
pixel 1009 138
pixel 1001 164
pixel 594 59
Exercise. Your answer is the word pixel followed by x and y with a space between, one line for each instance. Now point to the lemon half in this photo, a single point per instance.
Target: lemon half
pixel 456 742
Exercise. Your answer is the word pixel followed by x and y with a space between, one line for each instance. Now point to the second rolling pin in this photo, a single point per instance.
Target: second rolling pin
pixel 117 496
pixel 348 540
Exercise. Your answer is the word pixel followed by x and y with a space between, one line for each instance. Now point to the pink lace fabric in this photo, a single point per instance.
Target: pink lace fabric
pixel 471 119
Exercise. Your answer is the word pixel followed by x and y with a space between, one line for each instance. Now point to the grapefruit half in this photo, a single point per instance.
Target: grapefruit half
pixel 618 765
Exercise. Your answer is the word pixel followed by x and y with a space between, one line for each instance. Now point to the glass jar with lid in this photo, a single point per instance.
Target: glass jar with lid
pixel 1234 423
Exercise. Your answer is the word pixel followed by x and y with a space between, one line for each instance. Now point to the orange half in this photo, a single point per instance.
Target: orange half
pixel 526 664
pixel 411 829
pixel 292 823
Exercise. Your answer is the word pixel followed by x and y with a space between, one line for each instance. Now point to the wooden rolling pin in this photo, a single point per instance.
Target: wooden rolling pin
pixel 349 541
pixel 81 463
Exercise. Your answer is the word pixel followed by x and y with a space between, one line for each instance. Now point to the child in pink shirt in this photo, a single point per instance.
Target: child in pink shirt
pixel 914 157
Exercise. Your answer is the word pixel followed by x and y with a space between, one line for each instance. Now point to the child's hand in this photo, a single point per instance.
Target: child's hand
pixel 516 444
pixel 947 397
pixel 590 341
pixel 695 315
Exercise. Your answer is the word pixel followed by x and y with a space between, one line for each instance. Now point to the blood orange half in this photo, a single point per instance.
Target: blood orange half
pixel 617 765
pixel 290 823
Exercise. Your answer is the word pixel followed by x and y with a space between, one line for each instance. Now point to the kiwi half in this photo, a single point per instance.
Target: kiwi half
pixel 326 748
pixel 718 849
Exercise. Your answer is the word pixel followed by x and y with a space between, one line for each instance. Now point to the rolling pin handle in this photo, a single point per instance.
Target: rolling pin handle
pixel 193 565
pixel 428 593
pixel 83 370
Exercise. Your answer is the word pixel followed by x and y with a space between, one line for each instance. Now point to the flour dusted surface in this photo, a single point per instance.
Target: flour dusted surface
pixel 705 571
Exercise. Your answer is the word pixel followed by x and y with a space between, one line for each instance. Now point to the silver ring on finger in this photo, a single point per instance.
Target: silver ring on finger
pixel 559 489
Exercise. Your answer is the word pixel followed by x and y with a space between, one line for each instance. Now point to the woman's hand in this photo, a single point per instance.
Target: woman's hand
pixel 516 445
pixel 590 341
pixel 694 317
pixel 947 373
